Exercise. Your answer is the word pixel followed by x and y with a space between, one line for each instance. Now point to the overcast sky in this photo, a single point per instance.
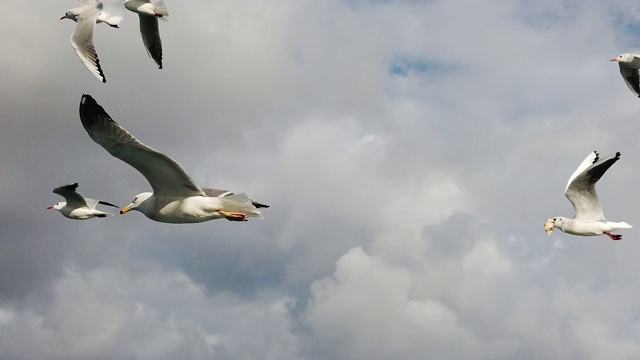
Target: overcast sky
pixel 411 152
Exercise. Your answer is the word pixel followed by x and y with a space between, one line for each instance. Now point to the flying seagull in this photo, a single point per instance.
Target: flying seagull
pixel 630 71
pixel 175 197
pixel 149 11
pixel 77 207
pixel 86 17
pixel 581 191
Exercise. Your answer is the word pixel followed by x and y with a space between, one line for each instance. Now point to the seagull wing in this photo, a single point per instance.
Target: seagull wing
pixel 631 77
pixel 92 203
pixel 151 37
pixel 69 193
pixel 581 190
pixel 224 193
pixel 165 175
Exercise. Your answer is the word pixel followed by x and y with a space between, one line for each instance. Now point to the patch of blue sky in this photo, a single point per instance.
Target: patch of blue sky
pixel 404 66
pixel 631 31
pixel 355 4
pixel 544 16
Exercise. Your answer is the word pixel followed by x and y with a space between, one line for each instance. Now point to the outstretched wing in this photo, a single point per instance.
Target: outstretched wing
pixel 581 189
pixel 211 192
pixel 631 77
pixel 92 203
pixel 69 193
pixel 82 40
pixel 151 37
pixel 165 175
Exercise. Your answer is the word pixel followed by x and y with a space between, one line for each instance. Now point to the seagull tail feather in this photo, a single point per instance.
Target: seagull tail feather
pixel 240 203
pixel 619 225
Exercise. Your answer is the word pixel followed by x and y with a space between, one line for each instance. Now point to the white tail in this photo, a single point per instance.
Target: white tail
pixel 618 225
pixel 160 8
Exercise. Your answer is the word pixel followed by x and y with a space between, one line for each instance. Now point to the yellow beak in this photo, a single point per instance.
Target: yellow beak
pixel 126 209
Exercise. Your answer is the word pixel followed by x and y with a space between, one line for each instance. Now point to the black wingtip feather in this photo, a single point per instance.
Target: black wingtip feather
pixel 90 112
pixel 71 187
pixel 108 204
pixel 259 205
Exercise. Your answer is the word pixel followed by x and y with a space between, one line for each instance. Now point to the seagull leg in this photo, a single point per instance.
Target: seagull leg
pixel 233 216
pixel 614 236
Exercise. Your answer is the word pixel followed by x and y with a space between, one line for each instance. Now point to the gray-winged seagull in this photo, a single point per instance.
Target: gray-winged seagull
pixel 630 71
pixel 175 197
pixel 149 11
pixel 86 17
pixel 581 191
pixel 77 207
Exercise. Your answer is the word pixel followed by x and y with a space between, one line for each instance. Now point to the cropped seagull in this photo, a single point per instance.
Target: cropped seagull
pixel 149 11
pixel 77 207
pixel 175 197
pixel 630 71
pixel 86 17
pixel 581 191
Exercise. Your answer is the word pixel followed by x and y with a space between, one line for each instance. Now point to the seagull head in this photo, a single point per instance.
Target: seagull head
pixel 70 15
pixel 555 222
pixel 623 58
pixel 137 201
pixel 57 206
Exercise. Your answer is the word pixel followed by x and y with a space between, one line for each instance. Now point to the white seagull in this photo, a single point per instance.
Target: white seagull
pixel 86 17
pixel 149 11
pixel 630 71
pixel 77 207
pixel 175 197
pixel 581 191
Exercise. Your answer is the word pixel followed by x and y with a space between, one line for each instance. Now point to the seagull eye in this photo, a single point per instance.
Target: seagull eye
pixel 135 199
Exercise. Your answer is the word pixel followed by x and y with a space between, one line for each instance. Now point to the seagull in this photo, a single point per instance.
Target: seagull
pixel 581 191
pixel 77 207
pixel 630 71
pixel 175 197
pixel 86 17
pixel 149 11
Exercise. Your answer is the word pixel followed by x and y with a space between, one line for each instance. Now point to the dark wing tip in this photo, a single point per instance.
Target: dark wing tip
pixel 91 112
pixel 108 204
pixel 597 157
pixel 71 187
pixel 617 155
pixel 259 205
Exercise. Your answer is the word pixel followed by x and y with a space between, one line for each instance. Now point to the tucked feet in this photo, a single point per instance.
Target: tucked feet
pixel 233 216
pixel 614 236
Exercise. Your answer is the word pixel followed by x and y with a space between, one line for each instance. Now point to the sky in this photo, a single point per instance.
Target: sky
pixel 411 152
